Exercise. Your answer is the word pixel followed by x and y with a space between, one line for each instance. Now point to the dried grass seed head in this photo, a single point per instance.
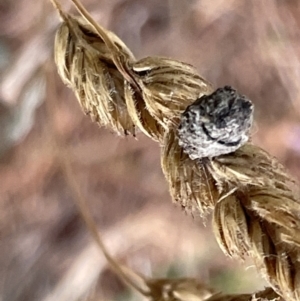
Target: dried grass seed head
pixel 215 124
pixel 242 228
pixel 244 220
pixel 167 87
pixel 85 64
pixel 258 214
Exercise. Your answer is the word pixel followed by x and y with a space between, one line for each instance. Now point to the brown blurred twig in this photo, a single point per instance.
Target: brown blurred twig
pixel 125 274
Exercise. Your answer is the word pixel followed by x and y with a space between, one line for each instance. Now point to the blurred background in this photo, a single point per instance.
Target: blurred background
pixel 46 252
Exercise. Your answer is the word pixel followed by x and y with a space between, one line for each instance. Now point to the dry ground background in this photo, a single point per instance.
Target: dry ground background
pixel 46 253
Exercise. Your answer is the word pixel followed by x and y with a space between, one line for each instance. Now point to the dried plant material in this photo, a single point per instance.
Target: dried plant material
pixel 215 124
pixel 253 219
pixel 140 115
pixel 94 63
pixel 128 276
pixel 86 65
pixel 250 165
pixel 265 295
pixel 191 185
pixel 189 289
pixel 157 90
pixel 265 200
pixel 186 289
pixel 231 228
pixel 256 211
pixel 167 87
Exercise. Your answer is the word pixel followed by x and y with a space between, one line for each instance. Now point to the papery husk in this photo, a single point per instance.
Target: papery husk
pixel 260 217
pixel 250 165
pixel 191 186
pixel 157 90
pixel 85 64
pixel 233 239
pixel 262 237
pixel 140 115
pixel 167 87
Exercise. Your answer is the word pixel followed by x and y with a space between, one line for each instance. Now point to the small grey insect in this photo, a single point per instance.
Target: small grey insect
pixel 215 124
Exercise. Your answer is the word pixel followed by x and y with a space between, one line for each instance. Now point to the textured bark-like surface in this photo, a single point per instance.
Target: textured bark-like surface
pixel 216 124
